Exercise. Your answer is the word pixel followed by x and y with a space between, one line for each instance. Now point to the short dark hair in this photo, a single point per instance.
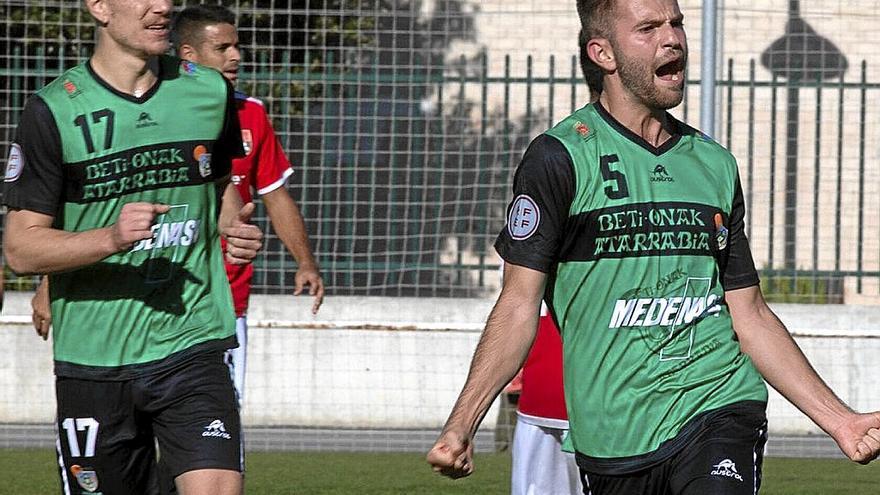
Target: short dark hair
pixel 596 17
pixel 188 23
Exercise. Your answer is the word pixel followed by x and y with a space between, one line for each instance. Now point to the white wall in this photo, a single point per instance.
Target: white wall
pixel 400 362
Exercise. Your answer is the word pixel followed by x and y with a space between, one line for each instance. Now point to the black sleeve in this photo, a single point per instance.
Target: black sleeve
pixel 34 179
pixel 228 145
pixel 543 190
pixel 740 270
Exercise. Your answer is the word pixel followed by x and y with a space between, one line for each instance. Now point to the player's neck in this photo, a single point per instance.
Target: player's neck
pixel 126 72
pixel 652 125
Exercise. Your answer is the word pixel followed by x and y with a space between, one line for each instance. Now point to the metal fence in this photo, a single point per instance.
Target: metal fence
pixel 404 153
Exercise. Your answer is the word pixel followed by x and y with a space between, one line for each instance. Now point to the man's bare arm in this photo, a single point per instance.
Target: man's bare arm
pixel 782 363
pixel 32 246
pixel 287 221
pixel 506 340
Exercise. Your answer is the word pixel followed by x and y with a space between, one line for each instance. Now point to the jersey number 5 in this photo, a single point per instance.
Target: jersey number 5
pixel 618 190
pixel 104 114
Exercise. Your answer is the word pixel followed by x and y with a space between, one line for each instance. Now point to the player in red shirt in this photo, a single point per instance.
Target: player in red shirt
pixel 206 34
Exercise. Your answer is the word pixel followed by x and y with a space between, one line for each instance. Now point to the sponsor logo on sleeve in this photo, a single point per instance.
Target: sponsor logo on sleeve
pixel 15 163
pixel 524 218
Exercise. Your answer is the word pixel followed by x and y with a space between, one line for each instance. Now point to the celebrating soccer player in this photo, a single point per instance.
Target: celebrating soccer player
pixel 630 225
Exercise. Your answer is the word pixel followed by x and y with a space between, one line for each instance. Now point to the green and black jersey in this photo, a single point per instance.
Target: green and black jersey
pixel 82 150
pixel 639 244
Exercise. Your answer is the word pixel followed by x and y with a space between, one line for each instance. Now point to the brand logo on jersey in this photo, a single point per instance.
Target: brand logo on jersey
pixel 247 141
pixel 201 154
pixel 216 429
pixel 71 88
pixel 188 67
pixel 524 218
pixel 726 468
pixel 86 477
pixel 14 164
pixel 581 129
pixel 721 232
pixel 661 175
pixel 663 311
pixel 170 234
pixel 144 120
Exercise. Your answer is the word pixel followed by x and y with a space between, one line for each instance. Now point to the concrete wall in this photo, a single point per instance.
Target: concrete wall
pixel 400 363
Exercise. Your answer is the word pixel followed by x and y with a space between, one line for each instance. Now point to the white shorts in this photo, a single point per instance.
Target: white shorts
pixel 236 358
pixel 539 466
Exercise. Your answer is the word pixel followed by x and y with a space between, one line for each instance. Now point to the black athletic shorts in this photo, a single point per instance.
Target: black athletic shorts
pixel 723 458
pixel 108 430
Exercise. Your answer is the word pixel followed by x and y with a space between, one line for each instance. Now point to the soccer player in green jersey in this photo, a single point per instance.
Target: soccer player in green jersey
pixel 117 187
pixel 630 225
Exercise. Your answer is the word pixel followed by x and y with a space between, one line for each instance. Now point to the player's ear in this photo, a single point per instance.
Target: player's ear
pixel 99 10
pixel 601 53
pixel 187 52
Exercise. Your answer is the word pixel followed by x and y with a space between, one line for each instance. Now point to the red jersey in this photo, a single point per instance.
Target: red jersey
pixel 542 396
pixel 264 168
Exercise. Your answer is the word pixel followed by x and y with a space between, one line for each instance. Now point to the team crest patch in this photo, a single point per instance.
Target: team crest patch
pixel 86 477
pixel 247 141
pixel 524 218
pixel 200 153
pixel 721 232
pixel 15 163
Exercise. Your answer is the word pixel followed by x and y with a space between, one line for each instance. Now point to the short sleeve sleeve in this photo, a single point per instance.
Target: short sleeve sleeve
pixel 543 190
pixel 228 145
pixel 739 271
pixel 273 168
pixel 34 178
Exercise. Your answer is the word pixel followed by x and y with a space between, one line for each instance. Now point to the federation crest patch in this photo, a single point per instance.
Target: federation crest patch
pixel 15 163
pixel 247 141
pixel 524 218
pixel 86 477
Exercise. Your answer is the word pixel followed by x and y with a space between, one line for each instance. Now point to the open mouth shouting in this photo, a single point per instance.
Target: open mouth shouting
pixel 671 72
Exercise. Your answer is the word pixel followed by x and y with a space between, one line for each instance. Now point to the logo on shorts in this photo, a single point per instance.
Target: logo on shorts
pixel 86 477
pixel 726 468
pixel 15 163
pixel 216 429
pixel 524 218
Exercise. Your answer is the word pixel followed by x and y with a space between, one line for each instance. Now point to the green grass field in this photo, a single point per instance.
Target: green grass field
pixel 32 472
